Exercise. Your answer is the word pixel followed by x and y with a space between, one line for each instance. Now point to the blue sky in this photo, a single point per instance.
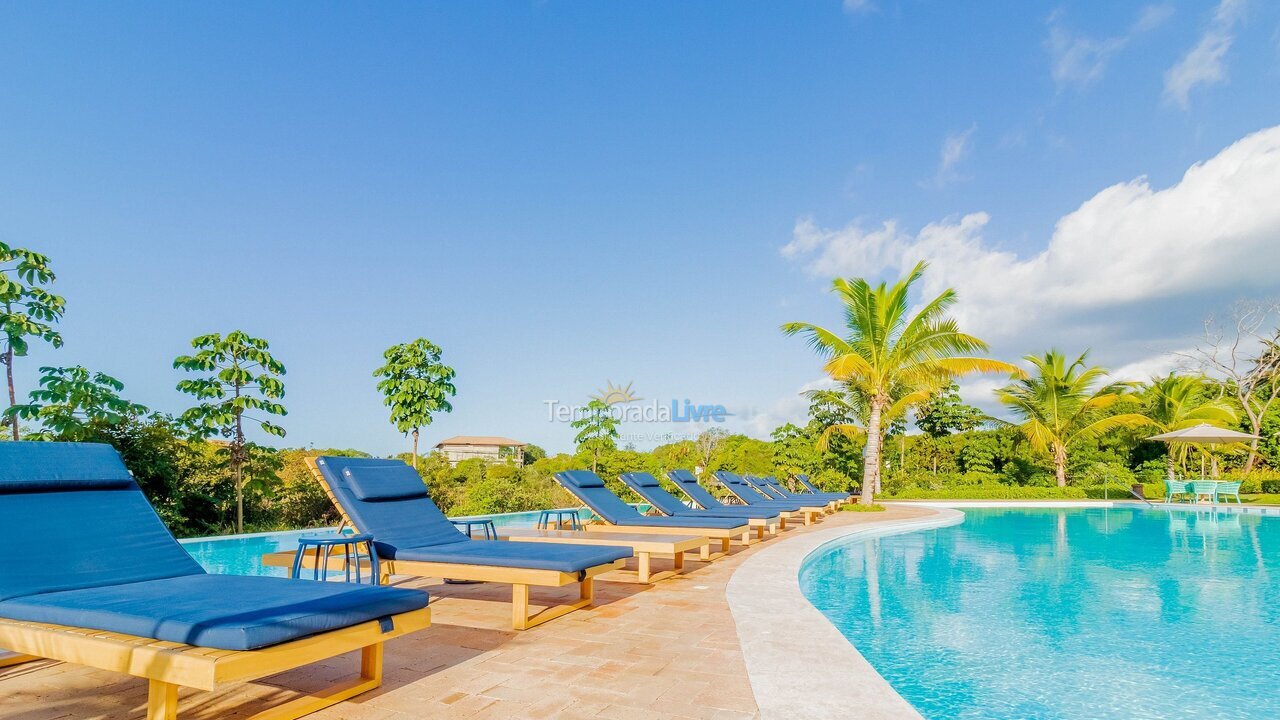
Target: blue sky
pixel 562 194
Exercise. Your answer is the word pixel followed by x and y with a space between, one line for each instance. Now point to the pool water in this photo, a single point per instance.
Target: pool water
pixel 1079 614
pixel 242 554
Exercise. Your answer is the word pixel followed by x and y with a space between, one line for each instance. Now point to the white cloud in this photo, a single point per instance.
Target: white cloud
pixel 956 146
pixel 1079 60
pixel 1205 63
pixel 1123 268
pixel 793 408
pixel 858 7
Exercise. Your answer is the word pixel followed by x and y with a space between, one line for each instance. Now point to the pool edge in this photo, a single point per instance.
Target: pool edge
pixel 797 661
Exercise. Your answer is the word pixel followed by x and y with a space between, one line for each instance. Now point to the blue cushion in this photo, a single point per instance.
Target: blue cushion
pixel 409 522
pixel 534 556
pixel 643 479
pixel 751 496
pixel 229 612
pixel 611 507
pixel 647 487
pixel 689 484
pixel 384 482
pixel 49 466
pixel 581 478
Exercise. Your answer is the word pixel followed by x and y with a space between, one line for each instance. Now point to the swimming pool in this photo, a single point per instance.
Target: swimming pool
pixel 242 554
pixel 1066 613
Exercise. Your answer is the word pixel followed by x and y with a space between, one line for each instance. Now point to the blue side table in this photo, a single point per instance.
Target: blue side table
pixel 486 526
pixel 545 519
pixel 349 547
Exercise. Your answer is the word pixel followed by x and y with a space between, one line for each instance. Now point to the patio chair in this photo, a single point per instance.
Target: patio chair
pixel 388 500
pixel 703 498
pixel 647 486
pixel 1174 487
pixel 1229 488
pixel 840 497
pixel 1197 488
pixel 93 577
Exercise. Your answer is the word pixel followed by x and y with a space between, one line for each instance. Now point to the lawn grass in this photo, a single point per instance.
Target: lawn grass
pixel 858 507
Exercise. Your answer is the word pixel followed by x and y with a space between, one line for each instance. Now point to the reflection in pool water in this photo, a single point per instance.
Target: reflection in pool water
pixel 1067 613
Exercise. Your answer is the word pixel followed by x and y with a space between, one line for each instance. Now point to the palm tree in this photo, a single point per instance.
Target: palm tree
pixel 1062 404
pixel 1177 402
pixel 890 358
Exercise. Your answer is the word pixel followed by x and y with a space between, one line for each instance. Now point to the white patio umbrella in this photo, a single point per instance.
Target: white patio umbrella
pixel 1204 435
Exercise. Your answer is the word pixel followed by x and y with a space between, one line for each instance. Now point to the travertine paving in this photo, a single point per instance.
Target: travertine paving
pixel 665 651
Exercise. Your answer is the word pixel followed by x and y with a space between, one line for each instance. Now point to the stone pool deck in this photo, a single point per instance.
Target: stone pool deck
pixel 665 651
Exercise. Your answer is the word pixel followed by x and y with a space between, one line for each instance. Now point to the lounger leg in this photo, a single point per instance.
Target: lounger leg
pixel 677 562
pixel 162 701
pixel 704 553
pixel 644 568
pixel 371 663
pixel 370 678
pixel 587 591
pixel 724 543
pixel 520 607
pixel 746 537
pixel 16 659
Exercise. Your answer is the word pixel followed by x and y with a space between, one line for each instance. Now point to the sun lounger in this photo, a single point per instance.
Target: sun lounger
pixel 388 500
pixel 617 516
pixel 777 491
pixel 647 486
pixel 689 485
pixel 750 496
pixel 93 577
pixel 805 481
pixel 838 497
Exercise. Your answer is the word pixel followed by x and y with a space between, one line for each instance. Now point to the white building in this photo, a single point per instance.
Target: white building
pixel 485 447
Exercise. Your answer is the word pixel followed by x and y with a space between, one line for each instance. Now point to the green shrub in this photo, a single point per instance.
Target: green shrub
pixel 994 492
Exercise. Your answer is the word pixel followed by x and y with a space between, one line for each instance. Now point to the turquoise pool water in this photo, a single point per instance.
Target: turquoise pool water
pixel 1093 614
pixel 242 554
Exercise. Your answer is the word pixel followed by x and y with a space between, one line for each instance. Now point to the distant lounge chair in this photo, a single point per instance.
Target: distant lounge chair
pixel 388 500
pixel 734 483
pixel 93 577
pixel 617 516
pixel 647 486
pixel 1175 487
pixel 839 497
pixel 769 488
pixel 703 498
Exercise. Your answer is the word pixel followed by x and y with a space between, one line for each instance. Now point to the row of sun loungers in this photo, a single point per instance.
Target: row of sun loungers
pixel 94 577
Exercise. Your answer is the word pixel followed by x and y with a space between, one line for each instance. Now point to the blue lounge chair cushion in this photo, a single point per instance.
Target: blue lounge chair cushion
pixel 648 487
pixel 689 484
pixel 52 467
pixel 413 528
pixel 384 483
pixel 752 496
pixel 590 489
pixel 228 612
pixel 531 556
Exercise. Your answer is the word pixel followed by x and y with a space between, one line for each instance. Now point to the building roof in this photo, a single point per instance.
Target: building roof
pixel 481 440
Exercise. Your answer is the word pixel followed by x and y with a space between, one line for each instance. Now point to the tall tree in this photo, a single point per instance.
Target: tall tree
pixel 241 377
pixel 946 413
pixel 597 430
pixel 415 385
pixel 1247 359
pixel 70 400
pixel 1178 402
pixel 1061 404
pixel 707 442
pixel 27 310
pixel 886 352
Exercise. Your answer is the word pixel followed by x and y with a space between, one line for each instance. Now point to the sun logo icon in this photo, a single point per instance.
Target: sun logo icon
pixel 616 394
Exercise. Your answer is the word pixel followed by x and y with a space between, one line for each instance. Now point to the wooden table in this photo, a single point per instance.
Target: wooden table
pixel 644 545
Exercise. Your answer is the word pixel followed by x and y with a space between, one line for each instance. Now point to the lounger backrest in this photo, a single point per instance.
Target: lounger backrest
pixel 648 487
pixel 74 518
pixel 739 486
pixel 758 484
pixel 589 488
pixel 690 485
pixel 388 500
pixel 804 480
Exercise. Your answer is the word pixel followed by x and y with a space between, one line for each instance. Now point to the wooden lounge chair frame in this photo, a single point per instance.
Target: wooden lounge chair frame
pixel 169 665
pixel 519 578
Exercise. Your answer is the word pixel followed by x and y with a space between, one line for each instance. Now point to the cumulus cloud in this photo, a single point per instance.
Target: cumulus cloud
pixel 794 408
pixel 1205 64
pixel 1125 267
pixel 1079 60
